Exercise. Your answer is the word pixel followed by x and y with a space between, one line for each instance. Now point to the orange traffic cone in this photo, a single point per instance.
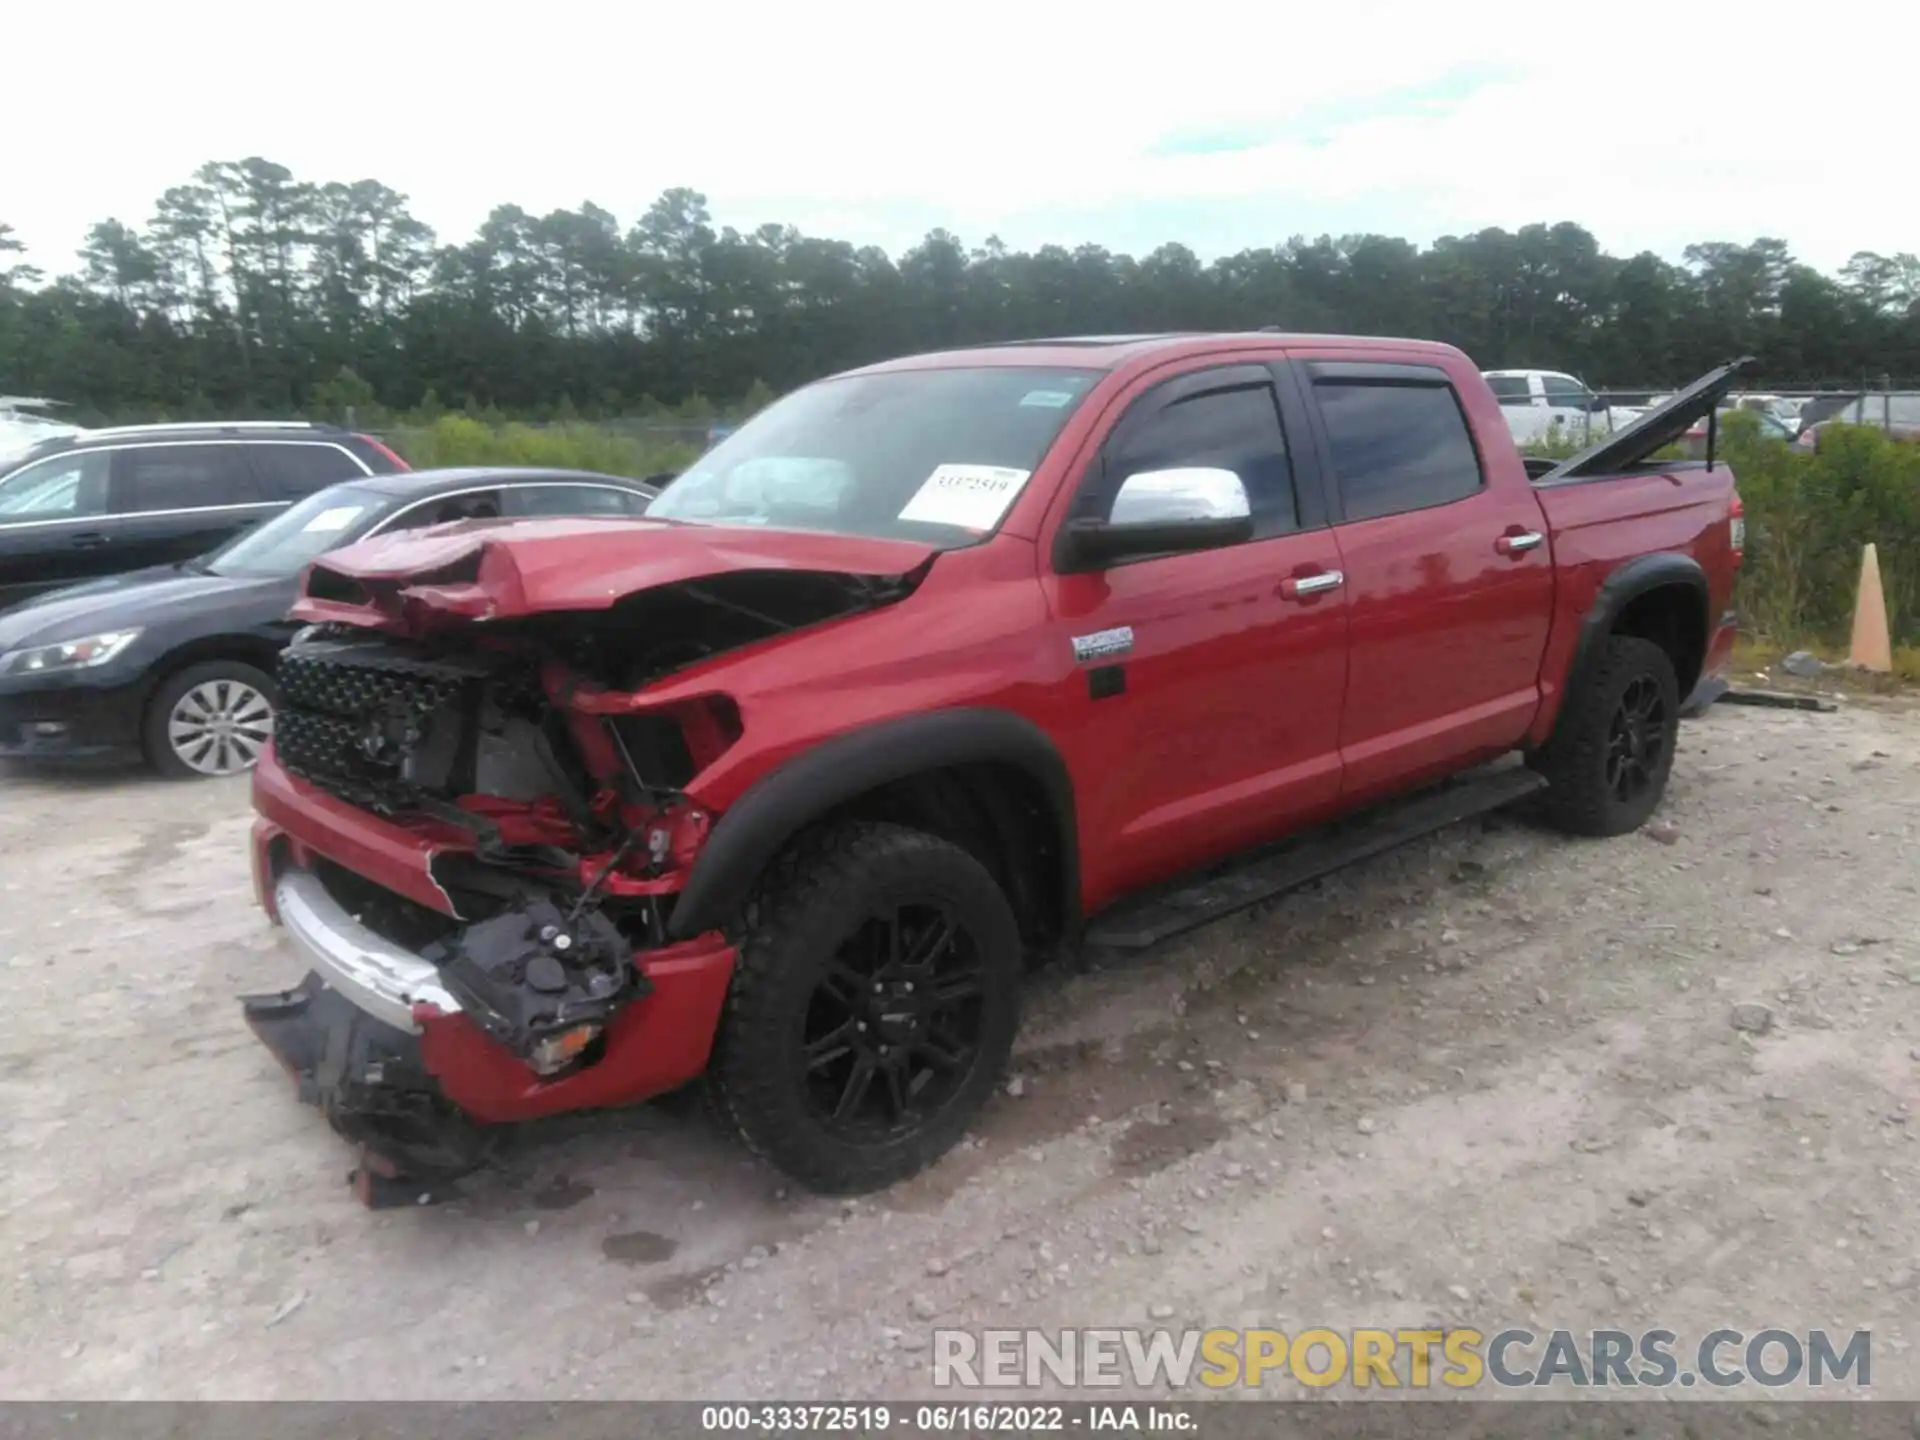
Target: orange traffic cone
pixel 1872 648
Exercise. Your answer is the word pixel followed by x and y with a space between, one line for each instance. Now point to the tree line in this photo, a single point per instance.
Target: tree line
pixel 250 291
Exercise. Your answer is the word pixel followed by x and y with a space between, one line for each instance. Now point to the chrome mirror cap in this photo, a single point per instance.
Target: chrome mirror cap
pixel 1160 497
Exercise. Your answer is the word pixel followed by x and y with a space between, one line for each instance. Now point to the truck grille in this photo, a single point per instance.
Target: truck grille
pixel 353 712
pixel 358 680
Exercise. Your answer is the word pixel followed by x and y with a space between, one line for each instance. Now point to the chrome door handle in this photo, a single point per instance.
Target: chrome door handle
pixel 1514 544
pixel 1294 587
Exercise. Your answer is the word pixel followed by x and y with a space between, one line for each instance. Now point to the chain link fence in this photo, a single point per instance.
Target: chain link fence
pixel 700 433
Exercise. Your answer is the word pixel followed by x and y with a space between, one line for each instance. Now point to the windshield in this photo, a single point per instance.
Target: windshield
pixel 280 546
pixel 936 456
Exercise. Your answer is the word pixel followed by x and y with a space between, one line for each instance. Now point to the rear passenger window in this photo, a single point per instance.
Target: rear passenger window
pixel 1563 392
pixel 574 500
pixel 183 477
pixel 467 505
pixel 296 470
pixel 1397 447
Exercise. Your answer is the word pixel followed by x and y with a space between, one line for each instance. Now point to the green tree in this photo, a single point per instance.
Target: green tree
pixel 14 273
pixel 251 289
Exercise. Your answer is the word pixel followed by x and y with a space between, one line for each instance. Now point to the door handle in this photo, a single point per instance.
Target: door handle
pixel 1518 544
pixel 1300 587
pixel 89 540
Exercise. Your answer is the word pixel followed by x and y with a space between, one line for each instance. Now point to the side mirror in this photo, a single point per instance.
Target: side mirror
pixel 1597 404
pixel 1161 512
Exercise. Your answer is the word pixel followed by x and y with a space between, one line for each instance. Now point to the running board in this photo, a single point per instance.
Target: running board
pixel 1139 924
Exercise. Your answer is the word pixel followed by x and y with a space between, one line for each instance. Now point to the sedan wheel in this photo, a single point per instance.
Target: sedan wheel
pixel 221 727
pixel 211 720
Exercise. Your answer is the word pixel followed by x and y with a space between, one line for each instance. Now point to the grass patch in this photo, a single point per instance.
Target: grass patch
pixel 1756 660
pixel 451 440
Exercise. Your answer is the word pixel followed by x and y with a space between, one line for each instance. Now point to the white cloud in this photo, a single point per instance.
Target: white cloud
pixel 1652 125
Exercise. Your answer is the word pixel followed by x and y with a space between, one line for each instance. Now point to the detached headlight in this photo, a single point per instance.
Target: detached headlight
pixel 82 654
pixel 556 1052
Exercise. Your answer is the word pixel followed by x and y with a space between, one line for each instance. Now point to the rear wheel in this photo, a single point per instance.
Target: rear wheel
pixel 872 1009
pixel 1612 749
pixel 210 720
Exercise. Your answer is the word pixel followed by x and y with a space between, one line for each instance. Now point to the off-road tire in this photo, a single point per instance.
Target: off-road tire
pixel 154 740
pixel 1578 798
pixel 817 895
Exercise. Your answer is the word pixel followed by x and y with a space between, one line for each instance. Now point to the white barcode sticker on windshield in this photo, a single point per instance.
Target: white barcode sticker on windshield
pixel 973 497
pixel 328 521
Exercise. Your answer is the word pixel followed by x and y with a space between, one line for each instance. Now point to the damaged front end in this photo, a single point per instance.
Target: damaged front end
pixel 542 981
pixel 475 825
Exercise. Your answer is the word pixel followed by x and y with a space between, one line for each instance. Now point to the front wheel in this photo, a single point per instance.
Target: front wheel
pixel 1611 751
pixel 210 720
pixel 872 1010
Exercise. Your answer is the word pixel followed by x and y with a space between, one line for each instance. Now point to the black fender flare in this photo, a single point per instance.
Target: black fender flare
pixel 1622 588
pixel 775 807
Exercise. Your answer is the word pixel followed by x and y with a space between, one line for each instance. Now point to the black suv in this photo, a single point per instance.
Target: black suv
pixel 107 501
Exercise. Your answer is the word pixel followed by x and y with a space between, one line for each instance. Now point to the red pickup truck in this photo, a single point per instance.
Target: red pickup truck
pixel 930 672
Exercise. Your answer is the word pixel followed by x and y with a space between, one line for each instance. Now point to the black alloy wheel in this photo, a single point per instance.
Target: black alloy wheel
pixel 1611 751
pixel 872 1008
pixel 1637 740
pixel 892 1029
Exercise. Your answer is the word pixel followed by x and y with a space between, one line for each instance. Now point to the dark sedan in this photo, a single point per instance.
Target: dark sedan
pixel 174 664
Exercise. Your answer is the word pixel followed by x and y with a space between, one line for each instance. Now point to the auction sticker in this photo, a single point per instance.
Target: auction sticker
pixel 329 521
pixel 974 497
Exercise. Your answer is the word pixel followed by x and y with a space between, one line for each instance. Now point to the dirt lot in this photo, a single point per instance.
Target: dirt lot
pixel 1490 1079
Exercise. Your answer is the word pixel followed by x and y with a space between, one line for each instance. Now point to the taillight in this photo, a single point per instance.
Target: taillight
pixel 1737 529
pixel 398 463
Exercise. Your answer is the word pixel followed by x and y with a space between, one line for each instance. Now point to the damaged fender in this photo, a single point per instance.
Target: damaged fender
pixel 472 762
pixel 772 811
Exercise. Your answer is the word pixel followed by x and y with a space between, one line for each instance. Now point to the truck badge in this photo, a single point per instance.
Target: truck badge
pixel 1103 644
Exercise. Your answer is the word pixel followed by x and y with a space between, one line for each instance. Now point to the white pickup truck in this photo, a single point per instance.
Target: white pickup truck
pixel 1535 401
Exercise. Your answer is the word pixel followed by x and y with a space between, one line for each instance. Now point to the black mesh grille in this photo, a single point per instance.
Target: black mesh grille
pixel 358 680
pixel 353 711
pixel 313 745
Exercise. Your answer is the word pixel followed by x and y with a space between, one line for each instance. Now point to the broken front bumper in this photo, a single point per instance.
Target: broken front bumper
pixel 369 972
pixel 369 1079
pixel 375 1039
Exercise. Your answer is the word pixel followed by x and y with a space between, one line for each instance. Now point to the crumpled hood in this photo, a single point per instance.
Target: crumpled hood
pixel 503 569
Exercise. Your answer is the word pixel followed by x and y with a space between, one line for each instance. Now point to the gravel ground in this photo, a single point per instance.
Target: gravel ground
pixel 1495 1078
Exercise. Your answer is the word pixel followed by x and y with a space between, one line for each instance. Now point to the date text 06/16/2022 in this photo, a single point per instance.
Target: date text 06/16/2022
pixel 940 1419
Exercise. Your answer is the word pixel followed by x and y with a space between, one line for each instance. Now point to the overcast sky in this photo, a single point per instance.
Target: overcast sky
pixel 1218 125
